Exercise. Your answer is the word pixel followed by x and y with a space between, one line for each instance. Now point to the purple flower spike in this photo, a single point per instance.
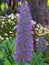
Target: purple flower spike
pixel 41 44
pixel 24 40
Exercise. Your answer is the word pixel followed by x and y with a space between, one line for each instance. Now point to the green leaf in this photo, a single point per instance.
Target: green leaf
pixel 1 55
pixel 2 61
pixel 6 62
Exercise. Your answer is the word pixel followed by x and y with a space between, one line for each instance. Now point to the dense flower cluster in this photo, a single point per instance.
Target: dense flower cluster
pixel 41 44
pixel 40 30
pixel 24 40
pixel 7 26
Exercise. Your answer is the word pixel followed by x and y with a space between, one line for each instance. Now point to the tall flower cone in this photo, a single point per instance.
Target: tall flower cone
pixel 41 44
pixel 24 39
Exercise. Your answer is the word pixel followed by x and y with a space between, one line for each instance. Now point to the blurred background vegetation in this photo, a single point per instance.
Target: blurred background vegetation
pixel 8 23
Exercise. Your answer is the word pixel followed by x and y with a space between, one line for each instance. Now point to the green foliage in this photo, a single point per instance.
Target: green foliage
pixel 6 62
pixel 47 55
pixel 6 52
pixel 2 61
pixel 2 13
pixel 47 37
pixel 38 59
pixel 9 9
pixel 48 4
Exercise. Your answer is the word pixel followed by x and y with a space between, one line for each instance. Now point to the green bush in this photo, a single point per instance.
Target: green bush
pixel 7 53
pixel 38 59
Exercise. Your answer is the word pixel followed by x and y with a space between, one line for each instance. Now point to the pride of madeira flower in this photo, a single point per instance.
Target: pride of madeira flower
pixel 24 40
pixel 41 44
